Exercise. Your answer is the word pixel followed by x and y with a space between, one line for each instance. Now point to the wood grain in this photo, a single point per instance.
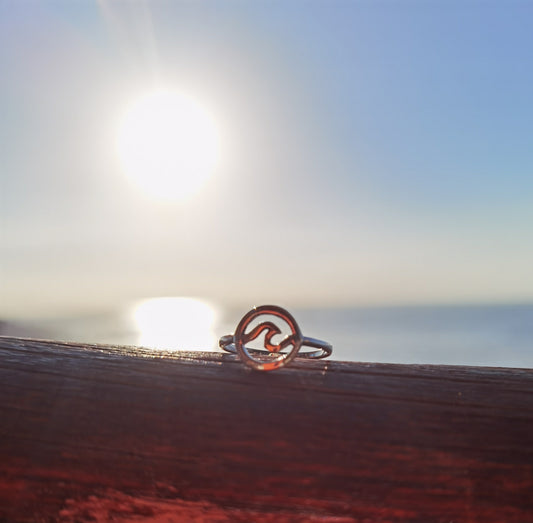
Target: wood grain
pixel 100 433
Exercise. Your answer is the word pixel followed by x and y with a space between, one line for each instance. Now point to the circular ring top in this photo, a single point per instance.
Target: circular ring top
pixel 274 357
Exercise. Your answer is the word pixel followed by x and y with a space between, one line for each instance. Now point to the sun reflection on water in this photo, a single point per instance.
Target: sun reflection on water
pixel 175 323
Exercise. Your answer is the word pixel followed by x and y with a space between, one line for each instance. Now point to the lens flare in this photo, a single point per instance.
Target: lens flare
pixel 175 323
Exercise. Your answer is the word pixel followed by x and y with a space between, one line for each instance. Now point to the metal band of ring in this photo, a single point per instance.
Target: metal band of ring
pixel 325 349
pixel 273 356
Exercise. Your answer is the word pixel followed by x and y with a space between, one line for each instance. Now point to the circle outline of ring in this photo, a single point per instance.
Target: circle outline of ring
pixel 279 362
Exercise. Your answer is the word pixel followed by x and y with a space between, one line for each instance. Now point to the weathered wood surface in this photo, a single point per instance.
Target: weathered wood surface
pixel 93 433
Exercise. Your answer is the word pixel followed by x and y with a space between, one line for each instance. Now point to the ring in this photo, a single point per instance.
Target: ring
pixel 256 322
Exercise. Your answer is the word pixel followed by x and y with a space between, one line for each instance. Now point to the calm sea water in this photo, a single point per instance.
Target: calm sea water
pixel 457 335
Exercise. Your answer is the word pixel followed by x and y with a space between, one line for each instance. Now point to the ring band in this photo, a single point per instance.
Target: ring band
pixel 325 349
pixel 272 356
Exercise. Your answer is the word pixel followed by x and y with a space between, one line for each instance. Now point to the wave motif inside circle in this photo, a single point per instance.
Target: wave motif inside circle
pixel 271 330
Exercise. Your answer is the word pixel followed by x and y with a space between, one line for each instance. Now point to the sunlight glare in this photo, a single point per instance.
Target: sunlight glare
pixel 168 144
pixel 175 323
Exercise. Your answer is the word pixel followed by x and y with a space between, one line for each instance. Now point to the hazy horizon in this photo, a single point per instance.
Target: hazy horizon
pixel 64 310
pixel 489 335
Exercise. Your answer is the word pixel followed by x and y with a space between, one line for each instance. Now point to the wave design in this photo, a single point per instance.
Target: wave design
pixel 271 331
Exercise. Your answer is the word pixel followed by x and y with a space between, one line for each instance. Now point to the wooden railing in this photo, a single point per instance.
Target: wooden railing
pixel 100 433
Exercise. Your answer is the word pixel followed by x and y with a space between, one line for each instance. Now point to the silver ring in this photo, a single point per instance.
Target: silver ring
pixel 273 355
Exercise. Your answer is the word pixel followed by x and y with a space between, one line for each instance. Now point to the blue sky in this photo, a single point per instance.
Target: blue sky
pixel 372 152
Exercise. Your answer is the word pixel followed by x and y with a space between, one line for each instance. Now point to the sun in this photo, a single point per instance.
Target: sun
pixel 168 144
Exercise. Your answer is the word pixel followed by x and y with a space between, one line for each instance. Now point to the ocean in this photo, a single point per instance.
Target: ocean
pixel 489 335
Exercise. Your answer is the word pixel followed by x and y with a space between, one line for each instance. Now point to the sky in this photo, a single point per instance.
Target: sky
pixel 368 153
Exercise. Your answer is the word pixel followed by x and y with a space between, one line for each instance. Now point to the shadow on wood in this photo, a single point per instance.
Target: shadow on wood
pixel 93 433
